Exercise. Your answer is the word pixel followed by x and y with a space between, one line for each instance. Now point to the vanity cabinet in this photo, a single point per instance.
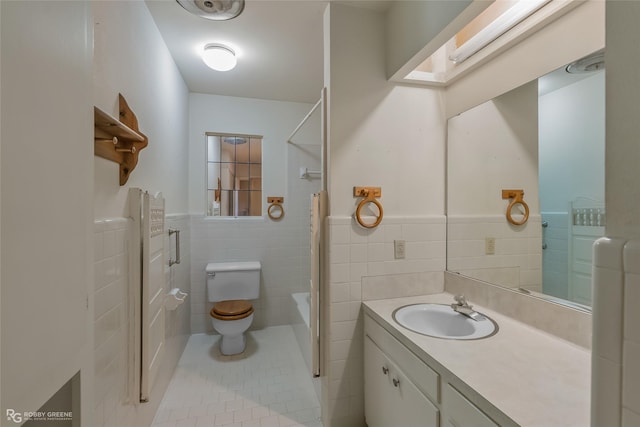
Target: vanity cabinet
pixel 391 399
pixel 402 390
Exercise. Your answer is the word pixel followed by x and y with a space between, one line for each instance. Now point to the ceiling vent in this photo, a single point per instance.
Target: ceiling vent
pixel 216 10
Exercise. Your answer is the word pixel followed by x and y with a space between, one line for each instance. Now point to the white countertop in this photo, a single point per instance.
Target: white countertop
pixel 534 378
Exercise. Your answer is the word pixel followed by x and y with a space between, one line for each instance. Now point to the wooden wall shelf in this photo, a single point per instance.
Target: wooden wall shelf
pixel 118 140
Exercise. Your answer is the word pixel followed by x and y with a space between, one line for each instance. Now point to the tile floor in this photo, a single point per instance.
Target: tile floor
pixel 268 385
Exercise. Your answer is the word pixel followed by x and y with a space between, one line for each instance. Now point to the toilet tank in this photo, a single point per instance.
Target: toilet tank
pixel 233 280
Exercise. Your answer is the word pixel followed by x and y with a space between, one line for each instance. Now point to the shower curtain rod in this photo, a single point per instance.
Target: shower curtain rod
pixel 303 121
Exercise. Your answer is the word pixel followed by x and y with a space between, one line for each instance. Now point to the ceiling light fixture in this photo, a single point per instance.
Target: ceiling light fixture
pixel 503 23
pixel 219 57
pixel 235 140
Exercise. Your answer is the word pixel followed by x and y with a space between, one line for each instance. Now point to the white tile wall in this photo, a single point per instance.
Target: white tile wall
pixel 518 256
pixel 555 258
pixel 362 266
pixel 178 322
pixel 616 349
pixel 281 248
pixel 111 280
pixel 255 239
pixel 111 323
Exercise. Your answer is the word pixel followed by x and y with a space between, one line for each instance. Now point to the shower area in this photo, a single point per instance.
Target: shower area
pixel 305 188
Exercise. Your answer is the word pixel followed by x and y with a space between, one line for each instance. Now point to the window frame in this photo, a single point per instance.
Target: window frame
pixel 207 190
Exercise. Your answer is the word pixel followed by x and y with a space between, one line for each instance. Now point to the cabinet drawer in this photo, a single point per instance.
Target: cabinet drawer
pixel 460 412
pixel 425 378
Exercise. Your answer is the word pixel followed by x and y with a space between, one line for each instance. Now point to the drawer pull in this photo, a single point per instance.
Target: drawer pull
pixel 396 382
pixel 385 370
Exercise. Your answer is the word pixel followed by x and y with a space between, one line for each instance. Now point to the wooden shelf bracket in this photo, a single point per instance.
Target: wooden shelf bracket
pixel 119 140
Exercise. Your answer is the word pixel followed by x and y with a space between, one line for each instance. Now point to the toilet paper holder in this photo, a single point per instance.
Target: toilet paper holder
pixel 174 298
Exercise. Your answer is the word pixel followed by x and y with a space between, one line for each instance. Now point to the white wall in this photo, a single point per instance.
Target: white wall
pixel 46 175
pixel 279 245
pixel 274 120
pixel 387 135
pixel 131 58
pixel 380 133
pixel 412 25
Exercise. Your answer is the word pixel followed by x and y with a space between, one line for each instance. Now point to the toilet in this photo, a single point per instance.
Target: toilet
pixel 230 286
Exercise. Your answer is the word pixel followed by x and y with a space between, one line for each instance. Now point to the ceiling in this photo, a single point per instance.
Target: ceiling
pixel 560 78
pixel 279 45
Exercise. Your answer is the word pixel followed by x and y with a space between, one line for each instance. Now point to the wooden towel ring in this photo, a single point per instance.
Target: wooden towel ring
pixel 275 210
pixel 369 195
pixel 517 198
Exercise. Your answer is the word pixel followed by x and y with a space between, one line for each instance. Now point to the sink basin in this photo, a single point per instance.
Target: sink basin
pixel 441 321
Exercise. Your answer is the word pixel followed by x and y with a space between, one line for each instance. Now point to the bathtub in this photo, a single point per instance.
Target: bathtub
pixel 300 325
pixel 302 304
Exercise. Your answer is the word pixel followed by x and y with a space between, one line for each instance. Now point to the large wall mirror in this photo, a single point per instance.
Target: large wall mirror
pixel 547 139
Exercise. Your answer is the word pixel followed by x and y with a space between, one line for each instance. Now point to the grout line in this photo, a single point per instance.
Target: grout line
pixel 268 384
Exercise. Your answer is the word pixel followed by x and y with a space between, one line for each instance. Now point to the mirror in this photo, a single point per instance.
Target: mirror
pixel 547 139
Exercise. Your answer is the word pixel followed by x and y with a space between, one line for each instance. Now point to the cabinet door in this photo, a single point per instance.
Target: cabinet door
pixel 459 412
pixel 378 406
pixel 412 407
pixel 390 398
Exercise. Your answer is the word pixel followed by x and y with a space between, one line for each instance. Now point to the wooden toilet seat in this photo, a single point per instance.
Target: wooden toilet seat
pixel 231 310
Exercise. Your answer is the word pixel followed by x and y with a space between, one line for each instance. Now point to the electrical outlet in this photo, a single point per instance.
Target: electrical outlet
pixel 399 249
pixel 490 245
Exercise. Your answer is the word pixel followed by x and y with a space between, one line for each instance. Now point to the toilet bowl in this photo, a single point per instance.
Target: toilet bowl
pixel 230 287
pixel 231 319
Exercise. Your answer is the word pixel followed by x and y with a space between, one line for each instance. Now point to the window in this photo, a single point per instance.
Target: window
pixel 234 175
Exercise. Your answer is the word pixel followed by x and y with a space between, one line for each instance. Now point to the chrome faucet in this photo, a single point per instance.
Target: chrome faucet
pixel 462 306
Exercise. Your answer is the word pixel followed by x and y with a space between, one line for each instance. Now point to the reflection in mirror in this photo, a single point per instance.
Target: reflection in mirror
pixel 547 138
pixel 234 175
